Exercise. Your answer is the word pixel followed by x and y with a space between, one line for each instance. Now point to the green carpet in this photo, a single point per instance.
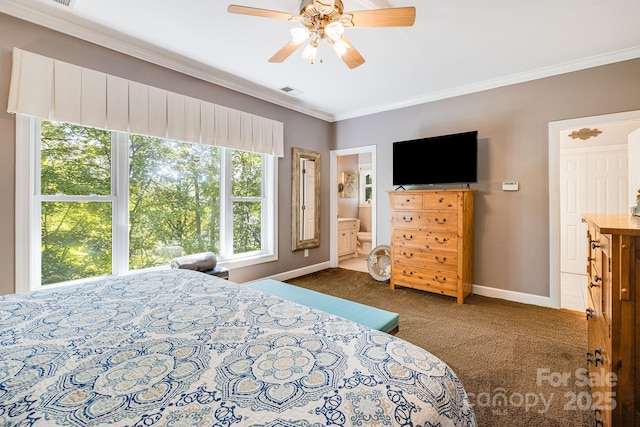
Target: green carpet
pixel 520 364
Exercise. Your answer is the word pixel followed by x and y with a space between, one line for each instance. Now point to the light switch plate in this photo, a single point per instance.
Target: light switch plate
pixel 510 186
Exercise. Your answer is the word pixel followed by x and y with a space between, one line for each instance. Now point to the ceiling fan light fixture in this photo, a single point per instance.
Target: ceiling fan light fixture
pixel 310 51
pixel 334 30
pixel 340 47
pixel 299 35
pixel 326 20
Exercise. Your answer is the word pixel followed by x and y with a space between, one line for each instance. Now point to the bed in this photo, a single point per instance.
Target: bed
pixel 178 347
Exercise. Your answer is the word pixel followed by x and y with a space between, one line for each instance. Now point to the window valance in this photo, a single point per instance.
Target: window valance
pixel 59 91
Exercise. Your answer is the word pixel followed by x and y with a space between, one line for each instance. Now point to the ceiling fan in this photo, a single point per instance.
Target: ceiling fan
pixel 326 20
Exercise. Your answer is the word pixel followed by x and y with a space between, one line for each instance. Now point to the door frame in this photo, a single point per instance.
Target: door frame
pixel 554 188
pixel 334 194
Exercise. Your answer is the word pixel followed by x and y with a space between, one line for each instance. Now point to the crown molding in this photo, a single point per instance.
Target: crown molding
pixel 567 67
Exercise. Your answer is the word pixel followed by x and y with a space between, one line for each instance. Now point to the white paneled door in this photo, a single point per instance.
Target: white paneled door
pixel 573 189
pixel 607 181
pixel 634 167
pixel 592 181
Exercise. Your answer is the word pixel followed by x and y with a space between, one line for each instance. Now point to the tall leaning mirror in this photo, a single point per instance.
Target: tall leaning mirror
pixel 305 189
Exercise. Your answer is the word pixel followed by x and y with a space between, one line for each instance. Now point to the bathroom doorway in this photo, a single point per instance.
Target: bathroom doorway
pixel 353 206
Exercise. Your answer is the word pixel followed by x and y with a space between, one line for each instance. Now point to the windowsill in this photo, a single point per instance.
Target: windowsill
pixel 247 261
pixel 228 263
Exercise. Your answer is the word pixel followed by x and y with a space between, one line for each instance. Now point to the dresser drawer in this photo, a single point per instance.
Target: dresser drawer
pixel 426 220
pixel 429 240
pixel 407 201
pixel 599 333
pixel 599 365
pixel 594 250
pixel 441 201
pixel 347 225
pixel 595 297
pixel 439 260
pixel 438 281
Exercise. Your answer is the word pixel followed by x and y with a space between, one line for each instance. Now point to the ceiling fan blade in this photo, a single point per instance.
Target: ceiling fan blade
pixel 394 17
pixel 351 57
pixel 285 52
pixel 264 13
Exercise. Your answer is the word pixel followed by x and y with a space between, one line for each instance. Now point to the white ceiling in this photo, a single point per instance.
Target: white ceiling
pixel 455 46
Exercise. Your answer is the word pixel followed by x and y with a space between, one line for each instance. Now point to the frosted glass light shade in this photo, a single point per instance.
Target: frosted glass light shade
pixel 299 35
pixel 334 31
pixel 340 47
pixel 309 52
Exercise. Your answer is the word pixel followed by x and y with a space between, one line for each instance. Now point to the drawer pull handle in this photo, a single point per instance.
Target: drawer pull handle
pixel 444 259
pixel 597 278
pixel 598 421
pixel 592 285
pixel 598 359
pixel 407 238
pixel 443 241
pixel 408 256
pixel 404 272
pixel 589 357
pixel 404 218
pixel 590 313
pixel 595 244
pixel 589 259
pixel 441 221
pixel 440 279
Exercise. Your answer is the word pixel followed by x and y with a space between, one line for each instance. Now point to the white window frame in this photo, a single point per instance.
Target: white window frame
pixel 28 202
pixel 364 171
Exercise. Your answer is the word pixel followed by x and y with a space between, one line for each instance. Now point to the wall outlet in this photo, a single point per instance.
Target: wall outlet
pixel 510 186
pixel 306 253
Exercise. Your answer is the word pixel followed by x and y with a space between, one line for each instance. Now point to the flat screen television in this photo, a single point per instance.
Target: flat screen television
pixel 446 159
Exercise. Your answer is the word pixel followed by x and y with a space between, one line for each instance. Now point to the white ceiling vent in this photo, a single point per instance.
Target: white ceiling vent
pixel 291 91
pixel 68 3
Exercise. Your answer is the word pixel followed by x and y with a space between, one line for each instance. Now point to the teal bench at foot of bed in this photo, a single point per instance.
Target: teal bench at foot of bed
pixel 372 317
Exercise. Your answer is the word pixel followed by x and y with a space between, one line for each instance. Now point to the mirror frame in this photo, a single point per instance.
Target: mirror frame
pixel 296 242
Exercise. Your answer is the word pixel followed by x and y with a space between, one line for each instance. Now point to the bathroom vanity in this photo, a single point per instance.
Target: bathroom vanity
pixel 347 237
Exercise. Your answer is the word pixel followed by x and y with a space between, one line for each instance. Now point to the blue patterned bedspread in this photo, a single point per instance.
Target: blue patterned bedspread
pixel 181 348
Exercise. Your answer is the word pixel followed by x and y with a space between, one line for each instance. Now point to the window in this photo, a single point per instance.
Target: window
pixel 366 185
pixel 108 203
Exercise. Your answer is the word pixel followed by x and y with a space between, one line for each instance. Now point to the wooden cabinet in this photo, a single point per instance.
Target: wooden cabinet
pixel 613 326
pixel 432 241
pixel 347 237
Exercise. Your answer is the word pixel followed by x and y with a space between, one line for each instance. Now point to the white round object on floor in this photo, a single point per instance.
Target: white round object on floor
pixel 379 263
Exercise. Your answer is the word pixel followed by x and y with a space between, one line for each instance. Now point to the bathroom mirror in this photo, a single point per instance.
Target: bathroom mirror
pixel 305 195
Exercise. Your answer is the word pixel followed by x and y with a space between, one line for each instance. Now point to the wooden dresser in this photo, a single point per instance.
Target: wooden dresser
pixel 613 327
pixel 432 241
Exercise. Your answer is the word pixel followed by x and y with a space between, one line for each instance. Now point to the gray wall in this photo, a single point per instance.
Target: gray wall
pixel 300 131
pixel 511 228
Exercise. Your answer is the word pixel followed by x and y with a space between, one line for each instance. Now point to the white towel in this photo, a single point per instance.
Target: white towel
pixel 200 262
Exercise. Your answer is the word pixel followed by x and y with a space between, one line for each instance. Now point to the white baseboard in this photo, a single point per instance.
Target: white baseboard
pixel 477 289
pixel 513 296
pixel 296 273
